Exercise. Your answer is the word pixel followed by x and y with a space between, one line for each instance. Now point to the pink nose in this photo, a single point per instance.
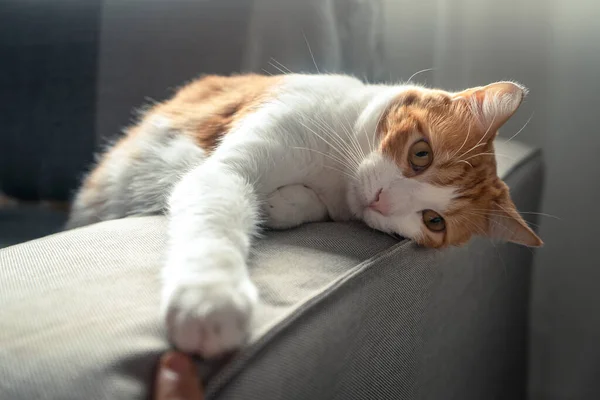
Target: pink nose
pixel 381 204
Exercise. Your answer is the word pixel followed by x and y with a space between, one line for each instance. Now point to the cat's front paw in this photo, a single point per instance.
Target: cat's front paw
pixel 210 319
pixel 292 205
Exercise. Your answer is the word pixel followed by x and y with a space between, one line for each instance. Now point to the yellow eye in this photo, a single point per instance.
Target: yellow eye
pixel 420 155
pixel 433 221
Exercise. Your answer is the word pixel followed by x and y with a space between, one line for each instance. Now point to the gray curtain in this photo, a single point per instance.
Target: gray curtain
pixel 317 35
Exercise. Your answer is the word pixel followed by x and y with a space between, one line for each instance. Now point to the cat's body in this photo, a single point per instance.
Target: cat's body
pixel 227 155
pixel 134 178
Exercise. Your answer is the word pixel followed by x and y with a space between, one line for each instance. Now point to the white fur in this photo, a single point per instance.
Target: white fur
pixel 308 154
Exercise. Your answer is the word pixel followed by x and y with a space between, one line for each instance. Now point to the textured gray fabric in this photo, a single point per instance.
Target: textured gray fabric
pixel 80 309
pixel 346 313
pixel 359 340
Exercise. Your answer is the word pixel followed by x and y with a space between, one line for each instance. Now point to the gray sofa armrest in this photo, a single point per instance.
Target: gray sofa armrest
pixel 407 323
pixel 346 312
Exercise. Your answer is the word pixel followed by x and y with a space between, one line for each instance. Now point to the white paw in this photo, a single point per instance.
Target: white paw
pixel 293 205
pixel 210 319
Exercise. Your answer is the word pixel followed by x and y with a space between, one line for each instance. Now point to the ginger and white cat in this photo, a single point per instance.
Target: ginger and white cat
pixel 226 155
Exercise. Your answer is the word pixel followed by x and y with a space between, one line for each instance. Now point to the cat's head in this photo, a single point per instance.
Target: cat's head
pixel 432 177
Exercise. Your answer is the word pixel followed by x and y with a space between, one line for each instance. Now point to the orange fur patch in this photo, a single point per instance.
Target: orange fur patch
pixel 208 108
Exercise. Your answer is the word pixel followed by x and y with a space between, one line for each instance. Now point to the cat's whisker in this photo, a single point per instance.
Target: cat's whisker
pixel 335 160
pixel 277 68
pixel 356 144
pixel 375 129
pixel 289 71
pixel 351 138
pixel 324 140
pixel 465 142
pixel 328 130
pixel 353 177
pixel 476 228
pixel 473 148
pixel 311 53
pixel 487 130
pixel 479 144
pixel 342 142
pixel 504 209
pixel 520 130
pixel 481 232
pixel 507 211
pixel 480 140
pixel 374 135
pixel 355 135
pixel 506 229
pixel 370 142
pixel 541 214
pixel 267 72
pixel 364 129
pixel 486 215
pixel 490 154
pixel 334 136
pixel 351 143
pixel 471 224
pixel 520 212
pixel 330 156
pixel 419 72
pixel 466 162
pixel 498 252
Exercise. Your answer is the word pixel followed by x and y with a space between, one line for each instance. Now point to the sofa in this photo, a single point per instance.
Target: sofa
pixel 345 311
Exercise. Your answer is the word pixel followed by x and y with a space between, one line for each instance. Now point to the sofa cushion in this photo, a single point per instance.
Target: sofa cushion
pixel 84 304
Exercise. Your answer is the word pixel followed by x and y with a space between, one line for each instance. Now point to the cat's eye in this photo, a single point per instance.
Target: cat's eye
pixel 420 155
pixel 433 221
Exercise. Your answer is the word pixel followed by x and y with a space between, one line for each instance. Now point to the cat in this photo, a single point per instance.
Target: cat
pixel 227 155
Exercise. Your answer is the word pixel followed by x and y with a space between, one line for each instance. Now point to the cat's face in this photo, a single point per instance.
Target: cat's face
pixel 433 176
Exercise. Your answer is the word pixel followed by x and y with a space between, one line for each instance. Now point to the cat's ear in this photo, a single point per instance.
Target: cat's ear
pixel 494 104
pixel 506 224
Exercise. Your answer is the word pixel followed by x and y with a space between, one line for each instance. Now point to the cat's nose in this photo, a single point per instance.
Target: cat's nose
pixel 381 203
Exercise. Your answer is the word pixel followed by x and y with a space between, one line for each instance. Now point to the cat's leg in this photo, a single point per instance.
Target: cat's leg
pixel 293 205
pixel 208 297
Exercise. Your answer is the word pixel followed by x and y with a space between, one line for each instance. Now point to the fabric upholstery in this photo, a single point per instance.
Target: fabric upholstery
pixel 84 303
pixel 346 313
